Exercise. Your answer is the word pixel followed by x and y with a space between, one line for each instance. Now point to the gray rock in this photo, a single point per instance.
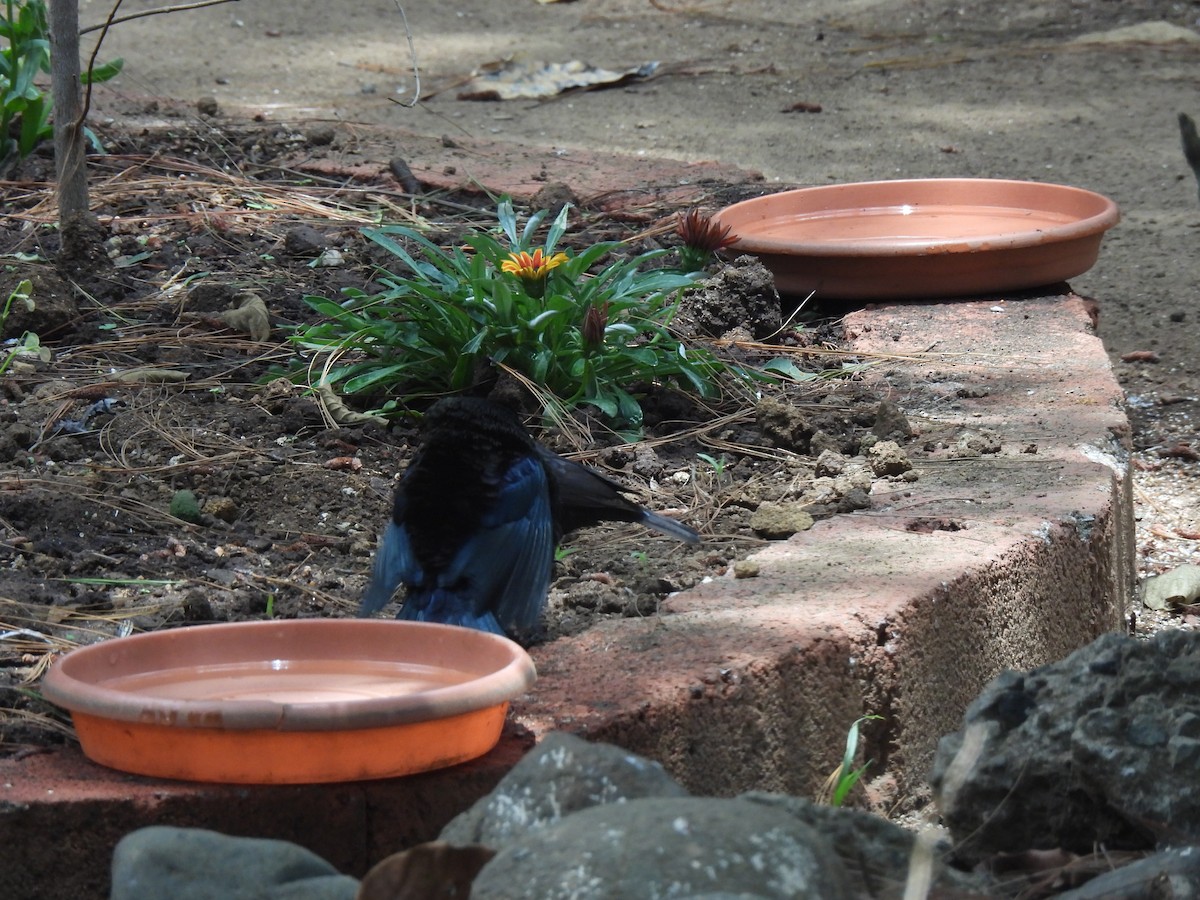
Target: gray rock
pixel 667 847
pixel 1173 874
pixel 890 422
pixel 305 241
pixel 830 463
pixel 562 775
pixel 195 864
pixel 1100 748
pixel 876 853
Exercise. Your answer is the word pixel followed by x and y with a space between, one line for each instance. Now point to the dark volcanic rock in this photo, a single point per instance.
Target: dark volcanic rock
pixel 1101 748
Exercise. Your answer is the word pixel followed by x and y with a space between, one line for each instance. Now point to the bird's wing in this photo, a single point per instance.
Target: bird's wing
pixel 508 563
pixel 585 497
pixel 394 562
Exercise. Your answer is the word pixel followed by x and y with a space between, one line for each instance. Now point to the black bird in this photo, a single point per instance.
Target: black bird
pixel 477 518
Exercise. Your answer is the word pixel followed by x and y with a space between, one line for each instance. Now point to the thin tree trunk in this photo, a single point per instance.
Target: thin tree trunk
pixel 70 165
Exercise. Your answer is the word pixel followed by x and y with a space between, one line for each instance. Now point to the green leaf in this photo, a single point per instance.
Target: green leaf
pixel 373 377
pixel 35 126
pixel 787 368
pixel 103 73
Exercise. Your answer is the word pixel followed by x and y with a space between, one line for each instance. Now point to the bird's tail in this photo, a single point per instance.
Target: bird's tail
pixel 669 527
pixel 449 608
pixel 393 562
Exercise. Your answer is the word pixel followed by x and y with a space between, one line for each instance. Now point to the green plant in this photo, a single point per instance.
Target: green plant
pixel 25 107
pixel 845 776
pixel 582 336
pixel 718 465
pixel 30 344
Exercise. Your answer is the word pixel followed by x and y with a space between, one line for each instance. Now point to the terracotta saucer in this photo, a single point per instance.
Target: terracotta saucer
pixel 290 701
pixel 942 237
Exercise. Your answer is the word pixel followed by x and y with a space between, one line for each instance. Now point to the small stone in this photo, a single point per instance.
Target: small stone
pixel 305 241
pixel 780 520
pixel 330 258
pixel 221 508
pixel 197 608
pixel 553 197
pixel 646 462
pixel 746 568
pixel 208 106
pixel 890 422
pixel 886 458
pixel 321 135
pixel 784 426
pixel 977 443
pixel 830 462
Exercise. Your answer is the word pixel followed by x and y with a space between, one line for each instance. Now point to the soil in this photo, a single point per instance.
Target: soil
pixel 807 93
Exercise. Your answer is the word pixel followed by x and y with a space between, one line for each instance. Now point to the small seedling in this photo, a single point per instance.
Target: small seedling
pixel 843 779
pixel 718 465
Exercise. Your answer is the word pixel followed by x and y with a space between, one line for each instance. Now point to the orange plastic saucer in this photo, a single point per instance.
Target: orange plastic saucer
pixel 291 702
pixel 922 238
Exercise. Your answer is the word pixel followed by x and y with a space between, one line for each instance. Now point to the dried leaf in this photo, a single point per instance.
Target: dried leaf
pixel 250 317
pixel 148 375
pixel 1140 356
pixel 1179 587
pixel 518 80
pixel 433 871
pixel 340 412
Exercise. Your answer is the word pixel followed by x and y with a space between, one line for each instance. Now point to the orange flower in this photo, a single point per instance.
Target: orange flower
pixel 531 267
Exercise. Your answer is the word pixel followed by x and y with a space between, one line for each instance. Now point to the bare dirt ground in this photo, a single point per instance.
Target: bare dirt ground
pixel 808 93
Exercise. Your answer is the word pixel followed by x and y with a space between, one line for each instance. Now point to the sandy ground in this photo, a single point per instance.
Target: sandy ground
pixel 1082 92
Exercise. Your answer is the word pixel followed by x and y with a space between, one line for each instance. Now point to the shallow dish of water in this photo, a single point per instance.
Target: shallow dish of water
pixel 924 238
pixel 290 701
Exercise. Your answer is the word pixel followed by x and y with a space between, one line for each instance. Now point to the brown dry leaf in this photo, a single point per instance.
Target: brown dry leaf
pixel 433 871
pixel 250 317
pixel 150 375
pixel 513 80
pixel 1180 451
pixel 344 463
pixel 340 412
pixel 1140 356
pixel 1179 587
